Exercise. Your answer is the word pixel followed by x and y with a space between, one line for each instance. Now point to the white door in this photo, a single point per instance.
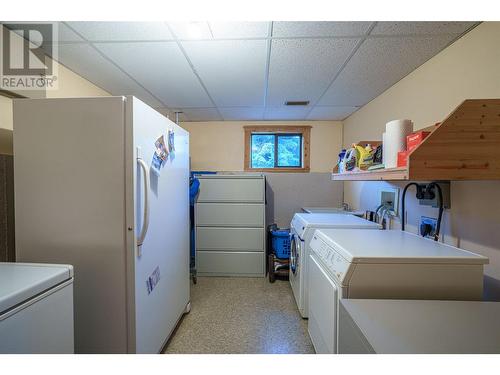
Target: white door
pixel 162 261
pixel 323 300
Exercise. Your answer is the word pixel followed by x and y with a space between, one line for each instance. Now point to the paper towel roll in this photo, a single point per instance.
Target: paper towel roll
pixel 383 148
pixel 395 140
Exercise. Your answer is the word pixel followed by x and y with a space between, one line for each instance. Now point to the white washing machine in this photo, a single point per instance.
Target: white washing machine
pixel 301 229
pixel 386 264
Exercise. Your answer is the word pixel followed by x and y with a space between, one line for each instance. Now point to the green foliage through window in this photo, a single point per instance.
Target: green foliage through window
pixel 276 150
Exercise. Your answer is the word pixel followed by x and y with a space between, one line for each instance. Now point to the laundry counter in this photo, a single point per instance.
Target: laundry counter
pixel 418 327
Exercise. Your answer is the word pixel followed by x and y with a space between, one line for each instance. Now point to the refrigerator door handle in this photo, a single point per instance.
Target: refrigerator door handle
pixel 145 220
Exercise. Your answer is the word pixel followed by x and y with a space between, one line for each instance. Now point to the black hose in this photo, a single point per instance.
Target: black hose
pixel 441 209
pixel 403 204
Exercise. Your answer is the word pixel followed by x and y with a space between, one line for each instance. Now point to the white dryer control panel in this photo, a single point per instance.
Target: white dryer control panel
pixel 335 263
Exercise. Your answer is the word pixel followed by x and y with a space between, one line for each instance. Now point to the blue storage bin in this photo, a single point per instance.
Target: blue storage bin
pixel 281 243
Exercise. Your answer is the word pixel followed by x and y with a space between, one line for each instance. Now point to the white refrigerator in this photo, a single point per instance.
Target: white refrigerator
pixel 102 184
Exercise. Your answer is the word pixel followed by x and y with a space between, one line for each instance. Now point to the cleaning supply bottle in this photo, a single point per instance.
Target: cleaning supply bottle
pixel 351 159
pixel 365 156
pixel 340 162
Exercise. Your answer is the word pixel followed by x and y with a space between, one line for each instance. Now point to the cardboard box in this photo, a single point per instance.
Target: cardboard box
pixel 402 158
pixel 414 139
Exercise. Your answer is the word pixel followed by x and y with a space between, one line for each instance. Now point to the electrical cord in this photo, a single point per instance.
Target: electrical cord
pixel 441 209
pixel 441 206
pixel 403 213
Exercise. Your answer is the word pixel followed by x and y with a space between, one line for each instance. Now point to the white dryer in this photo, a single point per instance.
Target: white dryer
pixel 387 264
pixel 301 230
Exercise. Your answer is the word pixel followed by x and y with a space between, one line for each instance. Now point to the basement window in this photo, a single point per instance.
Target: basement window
pixel 277 148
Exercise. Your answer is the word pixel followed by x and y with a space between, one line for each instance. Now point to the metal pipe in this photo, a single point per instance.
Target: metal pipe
pixel 177 117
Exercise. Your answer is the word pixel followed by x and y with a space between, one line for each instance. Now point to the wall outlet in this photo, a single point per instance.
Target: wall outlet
pixel 427 226
pixel 445 188
pixel 390 197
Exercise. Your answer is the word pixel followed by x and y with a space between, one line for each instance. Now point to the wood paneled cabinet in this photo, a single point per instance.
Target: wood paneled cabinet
pixel 230 225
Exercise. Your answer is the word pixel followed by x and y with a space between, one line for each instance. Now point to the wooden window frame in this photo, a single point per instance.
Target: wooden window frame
pixel 305 131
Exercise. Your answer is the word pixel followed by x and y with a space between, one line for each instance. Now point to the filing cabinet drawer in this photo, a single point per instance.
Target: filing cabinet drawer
pixel 231 190
pixel 229 239
pixel 230 214
pixel 212 263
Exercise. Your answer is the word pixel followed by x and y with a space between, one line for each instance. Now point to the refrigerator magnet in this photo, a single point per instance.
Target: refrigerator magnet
pixel 161 148
pixel 156 164
pixel 171 141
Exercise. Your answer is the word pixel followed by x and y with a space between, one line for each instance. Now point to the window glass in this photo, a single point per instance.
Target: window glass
pixel 289 150
pixel 263 150
pixel 275 150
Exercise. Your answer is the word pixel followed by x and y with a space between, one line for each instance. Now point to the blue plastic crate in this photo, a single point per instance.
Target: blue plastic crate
pixel 281 243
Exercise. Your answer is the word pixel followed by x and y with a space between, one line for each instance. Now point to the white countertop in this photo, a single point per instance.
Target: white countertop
pixel 331 210
pixel 414 326
pixel 333 220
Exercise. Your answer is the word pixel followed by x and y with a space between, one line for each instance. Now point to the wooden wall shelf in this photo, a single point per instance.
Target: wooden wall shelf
pixel 466 146
pixel 390 174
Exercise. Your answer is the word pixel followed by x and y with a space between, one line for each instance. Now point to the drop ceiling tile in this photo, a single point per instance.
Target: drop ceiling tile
pixel 200 114
pixel 319 29
pixel 65 34
pixel 378 64
pixel 191 30
pixel 331 112
pixel 302 69
pixel 87 62
pixel 162 69
pixel 122 31
pixel 233 71
pixel 286 113
pixel 241 113
pixel 231 30
pixel 422 28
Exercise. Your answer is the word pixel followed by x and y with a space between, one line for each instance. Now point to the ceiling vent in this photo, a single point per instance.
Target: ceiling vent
pixel 297 102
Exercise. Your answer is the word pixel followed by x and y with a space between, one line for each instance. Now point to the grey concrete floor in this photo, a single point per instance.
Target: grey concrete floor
pixel 241 315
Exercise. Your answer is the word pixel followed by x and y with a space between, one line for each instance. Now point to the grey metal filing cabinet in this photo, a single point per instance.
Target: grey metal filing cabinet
pixel 230 225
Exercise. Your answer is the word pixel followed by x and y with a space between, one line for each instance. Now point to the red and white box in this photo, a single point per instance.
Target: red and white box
pixel 414 139
pixel 402 158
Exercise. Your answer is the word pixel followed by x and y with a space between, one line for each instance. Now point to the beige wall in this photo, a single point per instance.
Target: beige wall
pixel 72 85
pixel 219 145
pixel 469 68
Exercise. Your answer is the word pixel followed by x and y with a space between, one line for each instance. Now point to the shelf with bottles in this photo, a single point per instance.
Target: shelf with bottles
pixel 466 146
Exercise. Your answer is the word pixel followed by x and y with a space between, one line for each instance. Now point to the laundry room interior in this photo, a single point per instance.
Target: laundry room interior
pixel 268 186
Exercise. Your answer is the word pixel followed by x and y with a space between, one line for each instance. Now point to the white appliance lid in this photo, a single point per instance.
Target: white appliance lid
pixel 22 281
pixel 331 220
pixel 427 326
pixel 314 210
pixel 394 246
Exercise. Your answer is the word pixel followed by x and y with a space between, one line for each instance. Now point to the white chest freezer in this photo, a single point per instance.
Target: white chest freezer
pixel 36 308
